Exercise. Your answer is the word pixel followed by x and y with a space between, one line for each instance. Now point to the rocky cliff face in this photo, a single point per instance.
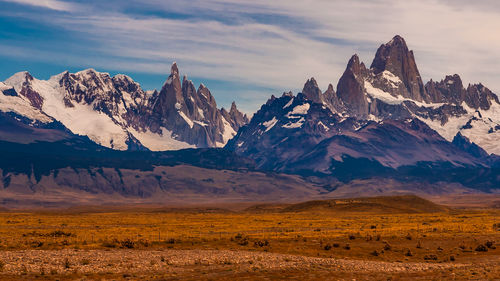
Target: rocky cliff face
pixel 394 57
pixel 116 112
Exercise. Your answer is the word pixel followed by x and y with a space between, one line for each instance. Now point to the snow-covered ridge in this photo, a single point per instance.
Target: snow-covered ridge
pixel 104 108
pixel 386 97
pixel 477 125
pixel 21 106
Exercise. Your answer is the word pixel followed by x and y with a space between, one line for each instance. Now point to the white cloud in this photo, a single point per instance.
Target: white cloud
pixel 289 41
pixel 48 4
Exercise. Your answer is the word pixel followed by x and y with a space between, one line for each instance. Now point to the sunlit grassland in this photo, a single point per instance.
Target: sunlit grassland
pixel 334 234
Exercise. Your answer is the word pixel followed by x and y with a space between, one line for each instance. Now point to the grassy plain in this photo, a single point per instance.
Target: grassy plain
pixel 402 230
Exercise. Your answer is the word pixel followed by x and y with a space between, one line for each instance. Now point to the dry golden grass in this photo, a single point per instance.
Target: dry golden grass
pixel 442 236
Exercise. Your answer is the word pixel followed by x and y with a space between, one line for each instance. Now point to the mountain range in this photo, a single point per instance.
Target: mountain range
pixel 382 126
pixel 116 112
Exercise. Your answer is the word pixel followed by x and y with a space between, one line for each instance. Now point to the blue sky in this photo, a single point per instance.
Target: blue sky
pixel 246 50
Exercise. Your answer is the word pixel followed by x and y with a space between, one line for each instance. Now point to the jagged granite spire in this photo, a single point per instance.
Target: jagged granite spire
pixel 396 58
pixel 350 88
pixel 312 92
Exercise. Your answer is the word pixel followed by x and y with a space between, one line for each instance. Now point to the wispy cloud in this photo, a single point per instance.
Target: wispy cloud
pixel 278 44
pixel 48 4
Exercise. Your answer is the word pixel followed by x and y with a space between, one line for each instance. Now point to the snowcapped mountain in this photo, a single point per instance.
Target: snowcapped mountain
pixel 116 112
pixel 380 118
pixel 393 89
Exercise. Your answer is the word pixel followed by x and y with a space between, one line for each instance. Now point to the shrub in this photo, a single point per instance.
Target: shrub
pixel 127 243
pixel 375 253
pixel 490 244
pixel 336 245
pixel 481 248
pixel 430 257
pixel 328 247
pixel 261 243
pixel 387 247
pixel 243 242
pixel 408 253
pixel 347 247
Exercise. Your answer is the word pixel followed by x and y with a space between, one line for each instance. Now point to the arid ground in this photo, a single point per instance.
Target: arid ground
pixel 396 238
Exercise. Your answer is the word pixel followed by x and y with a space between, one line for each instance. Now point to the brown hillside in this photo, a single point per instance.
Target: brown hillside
pixel 383 204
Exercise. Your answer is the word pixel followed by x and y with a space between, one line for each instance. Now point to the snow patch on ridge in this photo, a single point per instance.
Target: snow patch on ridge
pixel 299 110
pixel 188 121
pixel 386 97
pixel 228 133
pixel 290 102
pixel 270 124
pixel 157 142
pixel 393 79
pixel 294 125
pixel 324 126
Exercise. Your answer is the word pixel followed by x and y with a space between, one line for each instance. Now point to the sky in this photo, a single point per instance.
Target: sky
pixel 246 50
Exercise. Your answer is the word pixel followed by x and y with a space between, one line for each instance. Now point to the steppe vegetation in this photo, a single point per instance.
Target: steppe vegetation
pixel 355 238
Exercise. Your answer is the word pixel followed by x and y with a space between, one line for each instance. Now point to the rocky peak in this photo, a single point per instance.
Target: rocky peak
pixel 237 118
pixel 190 98
pixel 170 99
pixel 124 83
pixel 396 58
pixel 355 66
pixel 21 82
pixel 312 92
pixel 450 90
pixel 350 89
pixel 173 83
pixel 465 144
pixel 193 114
pixel 332 101
pixel 478 96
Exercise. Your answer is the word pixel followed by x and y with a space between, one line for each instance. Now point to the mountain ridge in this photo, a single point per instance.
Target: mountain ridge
pixel 116 111
pixel 382 124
